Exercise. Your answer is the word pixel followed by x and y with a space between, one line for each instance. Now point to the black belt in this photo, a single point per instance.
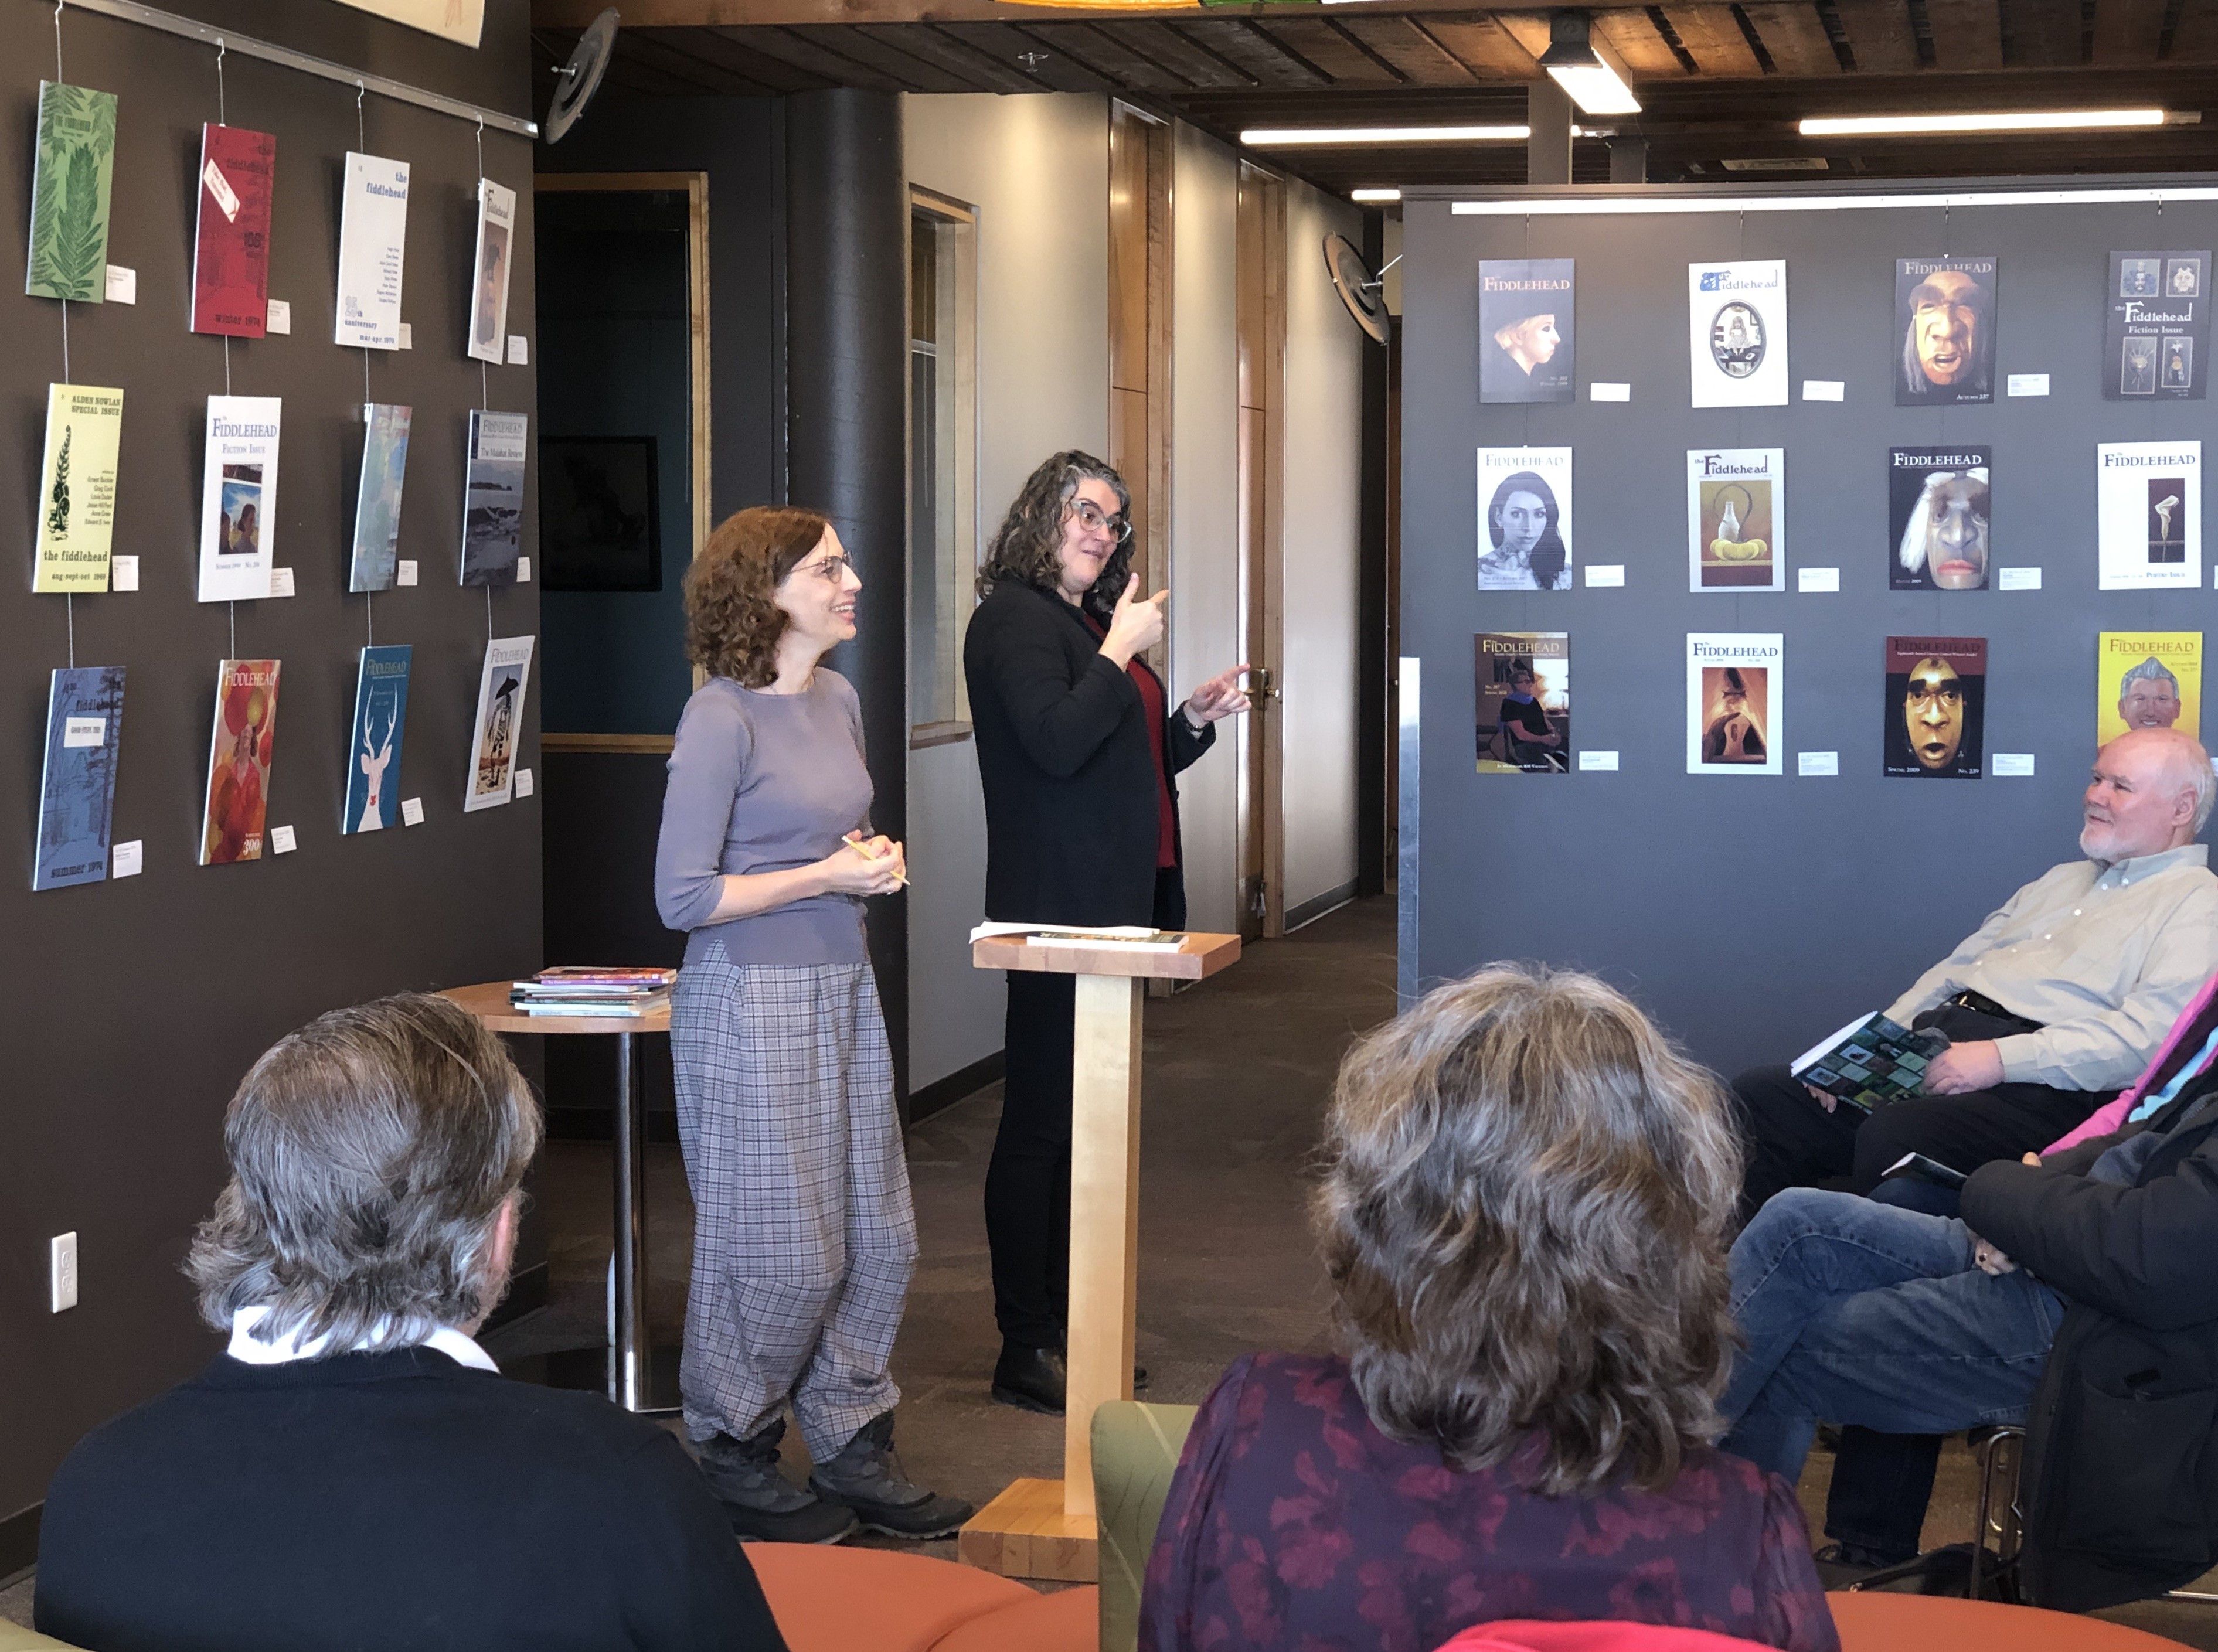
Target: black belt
pixel 1980 1004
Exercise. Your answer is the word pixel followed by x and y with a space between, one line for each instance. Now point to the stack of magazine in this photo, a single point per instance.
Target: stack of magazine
pixel 587 991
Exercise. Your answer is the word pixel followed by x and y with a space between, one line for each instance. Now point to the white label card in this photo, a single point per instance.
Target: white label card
pixel 404 573
pixel 1605 573
pixel 1818 580
pixel 524 783
pixel 523 570
pixel 2017 579
pixel 2026 384
pixel 279 317
pixel 122 285
pixel 1817 762
pixel 519 352
pixel 129 859
pixel 84 730
pixel 2013 764
pixel 408 336
pixel 123 574
pixel 1825 389
pixel 412 811
pixel 280 581
pixel 1606 761
pixel 1597 392
pixel 282 840
pixel 219 187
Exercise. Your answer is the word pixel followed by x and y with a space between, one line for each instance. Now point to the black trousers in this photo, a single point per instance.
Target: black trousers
pixel 1028 1179
pixel 1791 1141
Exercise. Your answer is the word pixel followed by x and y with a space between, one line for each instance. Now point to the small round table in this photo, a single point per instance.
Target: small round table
pixel 628 1347
pixel 1877 1621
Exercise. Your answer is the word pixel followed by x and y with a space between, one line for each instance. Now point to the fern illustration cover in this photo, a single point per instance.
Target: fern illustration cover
pixel 69 193
pixel 76 489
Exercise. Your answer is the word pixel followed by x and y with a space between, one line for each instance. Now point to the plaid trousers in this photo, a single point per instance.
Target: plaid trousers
pixel 803 1236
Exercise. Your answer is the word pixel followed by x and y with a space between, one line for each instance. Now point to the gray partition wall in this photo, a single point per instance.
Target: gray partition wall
pixel 1753 915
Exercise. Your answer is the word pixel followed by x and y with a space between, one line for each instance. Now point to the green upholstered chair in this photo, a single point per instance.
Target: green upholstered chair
pixel 1136 1451
pixel 13 1639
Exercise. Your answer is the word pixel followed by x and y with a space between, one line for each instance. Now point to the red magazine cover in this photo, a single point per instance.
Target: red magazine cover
pixel 239 761
pixel 231 250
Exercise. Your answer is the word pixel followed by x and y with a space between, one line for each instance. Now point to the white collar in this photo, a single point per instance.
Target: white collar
pixel 251 1350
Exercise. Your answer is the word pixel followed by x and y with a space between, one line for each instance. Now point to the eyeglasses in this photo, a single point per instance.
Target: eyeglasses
pixel 832 569
pixel 1088 517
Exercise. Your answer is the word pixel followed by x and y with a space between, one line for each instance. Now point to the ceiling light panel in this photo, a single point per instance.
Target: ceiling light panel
pixel 1262 136
pixel 1919 125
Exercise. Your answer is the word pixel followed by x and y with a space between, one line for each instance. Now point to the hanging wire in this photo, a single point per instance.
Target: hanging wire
pixel 233 606
pixel 57 39
pixel 361 131
pixel 221 118
pixel 69 605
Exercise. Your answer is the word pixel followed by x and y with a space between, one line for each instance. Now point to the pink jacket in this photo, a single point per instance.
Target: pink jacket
pixel 2109 1116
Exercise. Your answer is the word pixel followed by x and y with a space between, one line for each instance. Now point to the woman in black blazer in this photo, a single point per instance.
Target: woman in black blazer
pixel 1077 746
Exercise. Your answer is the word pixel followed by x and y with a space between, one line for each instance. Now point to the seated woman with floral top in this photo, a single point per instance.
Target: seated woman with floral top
pixel 1524 1217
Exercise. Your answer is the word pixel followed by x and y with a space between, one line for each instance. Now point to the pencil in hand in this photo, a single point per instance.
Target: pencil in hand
pixel 854 841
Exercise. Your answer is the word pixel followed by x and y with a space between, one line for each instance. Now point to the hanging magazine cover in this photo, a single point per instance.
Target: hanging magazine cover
pixel 1524 682
pixel 1525 333
pixel 1737 519
pixel 239 496
pixel 231 240
pixel 1944 318
pixel 1524 518
pixel 76 790
pixel 75 524
pixel 239 751
pixel 381 716
pixel 1938 501
pixel 2148 516
pixel 499 723
pixel 1934 715
pixel 2148 679
pixel 2156 342
pixel 376 559
pixel 373 246
pixel 492 501
pixel 1736 333
pixel 1736 689
pixel 489 288
pixel 70 179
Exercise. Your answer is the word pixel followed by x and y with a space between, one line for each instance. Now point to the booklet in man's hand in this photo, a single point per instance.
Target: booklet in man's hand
pixel 1871 1061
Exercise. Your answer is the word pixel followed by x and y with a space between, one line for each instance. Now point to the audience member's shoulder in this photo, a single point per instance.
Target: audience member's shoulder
pixel 1708 1474
pixel 840 688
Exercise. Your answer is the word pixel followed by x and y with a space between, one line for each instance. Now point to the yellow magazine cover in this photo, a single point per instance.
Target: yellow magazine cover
pixel 2148 679
pixel 77 488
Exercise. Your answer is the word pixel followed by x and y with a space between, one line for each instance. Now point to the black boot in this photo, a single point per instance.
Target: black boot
pixel 762 1505
pixel 1031 1379
pixel 866 1478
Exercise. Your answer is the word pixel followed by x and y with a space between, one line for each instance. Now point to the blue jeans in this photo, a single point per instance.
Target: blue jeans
pixel 1861 1313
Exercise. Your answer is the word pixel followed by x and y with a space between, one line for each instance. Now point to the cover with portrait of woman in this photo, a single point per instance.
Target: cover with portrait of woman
pixel 1524 518
pixel 1525 331
pixel 1935 708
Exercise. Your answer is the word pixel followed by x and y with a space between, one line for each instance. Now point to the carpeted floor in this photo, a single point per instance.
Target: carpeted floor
pixel 1238 1070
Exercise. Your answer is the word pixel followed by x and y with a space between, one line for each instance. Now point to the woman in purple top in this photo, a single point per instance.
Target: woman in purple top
pixel 1524 1217
pixel 803 1239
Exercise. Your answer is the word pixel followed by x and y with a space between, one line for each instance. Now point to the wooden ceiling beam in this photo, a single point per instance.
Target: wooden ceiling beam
pixel 1321 44
pixel 829 67
pixel 1715 42
pixel 2194 39
pixel 1405 44
pixel 984 71
pixel 683 14
pixel 874 53
pixel 1793 33
pixel 2046 34
pixel 1198 64
pixel 1253 51
pixel 2126 31
pixel 1633 36
pixel 745 72
pixel 1879 35
pixel 1966 34
pixel 1483 46
pixel 1050 70
pixel 1109 53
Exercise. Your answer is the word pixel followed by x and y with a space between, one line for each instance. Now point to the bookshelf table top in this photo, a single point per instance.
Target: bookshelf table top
pixel 1199 956
pixel 488 1001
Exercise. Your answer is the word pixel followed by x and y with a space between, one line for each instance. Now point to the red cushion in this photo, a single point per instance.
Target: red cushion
pixel 1067 1621
pixel 1874 1621
pixel 837 1599
pixel 1524 1635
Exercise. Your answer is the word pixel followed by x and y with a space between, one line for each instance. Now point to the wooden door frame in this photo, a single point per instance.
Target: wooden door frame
pixel 1261 284
pixel 1151 352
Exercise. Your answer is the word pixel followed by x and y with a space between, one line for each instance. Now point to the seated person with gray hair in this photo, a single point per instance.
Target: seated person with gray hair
pixel 2050 1006
pixel 354 1472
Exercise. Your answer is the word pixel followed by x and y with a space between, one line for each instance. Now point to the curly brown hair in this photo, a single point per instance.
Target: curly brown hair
pixel 1523 1214
pixel 1024 548
pixel 732 621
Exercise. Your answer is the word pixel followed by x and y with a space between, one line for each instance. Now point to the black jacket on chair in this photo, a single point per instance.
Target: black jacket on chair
pixel 397 1501
pixel 1072 826
pixel 2121 1479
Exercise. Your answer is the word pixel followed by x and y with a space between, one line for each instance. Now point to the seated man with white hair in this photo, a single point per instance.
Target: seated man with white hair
pixel 355 1472
pixel 2052 1005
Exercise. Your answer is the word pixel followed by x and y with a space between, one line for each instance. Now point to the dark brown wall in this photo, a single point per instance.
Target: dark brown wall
pixel 129 1010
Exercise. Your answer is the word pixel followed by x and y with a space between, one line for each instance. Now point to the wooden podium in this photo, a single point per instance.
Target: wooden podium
pixel 1045 1528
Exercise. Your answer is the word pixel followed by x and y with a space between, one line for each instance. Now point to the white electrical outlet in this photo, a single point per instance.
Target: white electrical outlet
pixel 61 1270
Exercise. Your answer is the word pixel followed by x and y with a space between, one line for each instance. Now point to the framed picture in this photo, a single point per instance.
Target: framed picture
pixel 600 520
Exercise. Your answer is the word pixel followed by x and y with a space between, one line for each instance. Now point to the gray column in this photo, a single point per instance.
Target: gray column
pixel 1628 160
pixel 1548 151
pixel 847 440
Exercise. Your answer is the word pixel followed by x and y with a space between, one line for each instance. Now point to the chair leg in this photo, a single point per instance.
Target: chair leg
pixel 1998 1455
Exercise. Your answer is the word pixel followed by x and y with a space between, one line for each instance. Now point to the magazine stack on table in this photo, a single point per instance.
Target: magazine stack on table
pixel 586 991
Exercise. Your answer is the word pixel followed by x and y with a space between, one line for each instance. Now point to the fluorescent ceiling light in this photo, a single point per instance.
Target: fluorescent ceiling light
pixel 1595 89
pixel 1695 201
pixel 1374 194
pixel 1913 126
pixel 1263 135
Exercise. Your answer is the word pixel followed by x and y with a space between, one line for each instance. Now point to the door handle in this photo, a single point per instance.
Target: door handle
pixel 1261 685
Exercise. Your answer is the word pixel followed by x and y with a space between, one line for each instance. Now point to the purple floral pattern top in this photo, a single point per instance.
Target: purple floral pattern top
pixel 1294 1525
